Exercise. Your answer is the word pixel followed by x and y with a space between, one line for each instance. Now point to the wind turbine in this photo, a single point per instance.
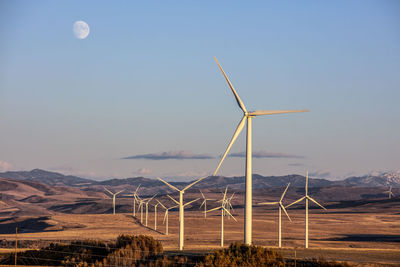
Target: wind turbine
pixel 390 193
pixel 135 199
pixel 147 201
pixel 281 207
pixel 205 204
pixel 181 207
pixel 223 211
pixel 166 215
pixel 306 197
pixel 141 203
pixel 114 195
pixel 155 215
pixel 247 116
pixel 229 204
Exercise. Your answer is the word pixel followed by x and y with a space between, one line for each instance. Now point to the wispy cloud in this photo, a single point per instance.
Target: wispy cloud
pixel 265 154
pixel 142 171
pixel 296 164
pixel 5 166
pixel 170 155
pixel 320 174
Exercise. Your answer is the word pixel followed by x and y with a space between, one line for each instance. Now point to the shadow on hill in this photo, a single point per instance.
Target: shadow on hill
pixel 82 207
pixel 137 221
pixel 31 225
pixel 368 238
pixel 357 203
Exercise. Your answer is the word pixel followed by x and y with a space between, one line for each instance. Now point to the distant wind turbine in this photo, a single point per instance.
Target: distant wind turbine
pixel 181 207
pixel 306 197
pixel 135 199
pixel 165 221
pixel 114 195
pixel 147 201
pixel 247 116
pixel 223 211
pixel 281 207
pixel 204 203
pixel 155 215
pixel 389 192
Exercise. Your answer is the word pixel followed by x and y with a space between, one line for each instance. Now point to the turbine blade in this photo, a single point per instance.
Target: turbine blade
pixel 227 211
pixel 268 203
pixel 195 182
pixel 173 187
pixel 300 199
pixel 173 199
pixel 137 188
pixel 226 189
pixel 313 200
pixel 161 204
pixel 285 212
pixel 217 208
pixel 165 216
pixel 108 191
pixel 202 194
pixel 284 192
pixel 119 192
pixel 173 207
pixel 235 135
pixel 191 202
pixel 202 203
pixel 238 100
pixel 151 198
pixel 273 112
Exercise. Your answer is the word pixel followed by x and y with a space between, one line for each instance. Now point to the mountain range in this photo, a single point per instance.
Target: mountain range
pixel 42 192
pixel 259 181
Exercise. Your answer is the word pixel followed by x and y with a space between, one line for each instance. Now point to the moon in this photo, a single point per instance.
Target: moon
pixel 81 29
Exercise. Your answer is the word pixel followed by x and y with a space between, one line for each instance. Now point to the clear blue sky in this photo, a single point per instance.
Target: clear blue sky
pixel 144 82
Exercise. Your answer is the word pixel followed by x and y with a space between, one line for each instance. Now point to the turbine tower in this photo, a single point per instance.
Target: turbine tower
pixel 247 116
pixel 205 204
pixel 181 206
pixel 135 199
pixel 147 201
pixel 389 192
pixel 281 207
pixel 306 197
pixel 140 207
pixel 155 214
pixel 166 215
pixel 114 195
pixel 223 211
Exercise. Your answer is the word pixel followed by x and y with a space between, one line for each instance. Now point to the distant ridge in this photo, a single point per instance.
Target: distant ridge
pixel 259 181
pixel 47 177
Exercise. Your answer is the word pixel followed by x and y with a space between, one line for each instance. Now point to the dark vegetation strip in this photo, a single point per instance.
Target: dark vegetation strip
pixel 129 250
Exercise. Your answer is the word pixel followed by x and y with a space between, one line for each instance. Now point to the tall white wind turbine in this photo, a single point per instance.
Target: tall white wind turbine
pixel 389 192
pixel 204 203
pixel 281 207
pixel 306 197
pixel 247 116
pixel 223 211
pixel 165 221
pixel 181 206
pixel 113 195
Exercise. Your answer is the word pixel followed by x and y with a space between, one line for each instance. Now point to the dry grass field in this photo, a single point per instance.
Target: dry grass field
pixel 338 234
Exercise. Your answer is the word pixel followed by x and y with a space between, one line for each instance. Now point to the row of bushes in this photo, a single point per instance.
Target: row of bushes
pixel 129 250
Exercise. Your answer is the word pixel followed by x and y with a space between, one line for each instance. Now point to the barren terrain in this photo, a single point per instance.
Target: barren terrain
pixel 339 234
